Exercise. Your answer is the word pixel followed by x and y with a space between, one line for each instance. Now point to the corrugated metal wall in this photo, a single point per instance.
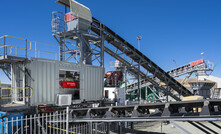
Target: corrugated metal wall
pixel 45 84
pixel 92 82
pixel 46 80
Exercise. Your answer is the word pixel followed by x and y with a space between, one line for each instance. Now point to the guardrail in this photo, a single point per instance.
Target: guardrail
pixel 9 96
pixel 47 123
pixel 30 48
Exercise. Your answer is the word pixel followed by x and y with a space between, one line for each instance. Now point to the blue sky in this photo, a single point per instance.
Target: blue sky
pixel 171 29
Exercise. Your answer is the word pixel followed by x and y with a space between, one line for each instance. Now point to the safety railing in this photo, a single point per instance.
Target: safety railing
pixel 10 92
pixel 48 123
pixel 58 22
pixel 28 49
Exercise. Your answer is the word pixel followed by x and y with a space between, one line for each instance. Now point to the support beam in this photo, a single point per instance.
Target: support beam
pixel 205 110
pixel 26 73
pixel 108 128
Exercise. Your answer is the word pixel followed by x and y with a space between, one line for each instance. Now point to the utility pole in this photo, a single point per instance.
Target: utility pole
pixel 202 55
pixel 139 85
pixel 175 63
pixel 138 39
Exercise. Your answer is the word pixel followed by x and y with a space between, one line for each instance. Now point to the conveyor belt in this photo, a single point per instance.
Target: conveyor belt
pixel 135 70
pixel 118 42
pixel 188 69
pixel 163 111
pixel 185 69
pixel 137 56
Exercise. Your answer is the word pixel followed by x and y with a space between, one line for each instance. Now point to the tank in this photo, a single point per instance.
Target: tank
pixel 7 128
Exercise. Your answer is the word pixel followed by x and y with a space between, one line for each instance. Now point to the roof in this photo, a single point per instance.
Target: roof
pixel 64 2
pixel 192 80
pixel 77 8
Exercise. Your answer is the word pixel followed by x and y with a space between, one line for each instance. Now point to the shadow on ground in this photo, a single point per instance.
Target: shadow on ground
pixel 127 130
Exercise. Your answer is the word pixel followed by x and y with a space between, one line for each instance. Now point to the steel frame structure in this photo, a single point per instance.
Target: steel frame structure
pixel 172 111
pixel 179 71
pixel 76 43
pixel 188 69
pixel 137 59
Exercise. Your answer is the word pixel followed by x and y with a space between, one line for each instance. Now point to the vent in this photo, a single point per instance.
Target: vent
pixel 64 99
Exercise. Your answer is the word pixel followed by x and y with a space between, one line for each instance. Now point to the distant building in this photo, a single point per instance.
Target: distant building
pixel 205 84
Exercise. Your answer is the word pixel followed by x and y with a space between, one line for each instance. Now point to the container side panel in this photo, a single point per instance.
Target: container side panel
pixel 44 86
pixel 92 83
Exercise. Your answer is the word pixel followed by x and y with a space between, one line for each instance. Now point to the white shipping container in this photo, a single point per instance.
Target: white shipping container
pixel 46 80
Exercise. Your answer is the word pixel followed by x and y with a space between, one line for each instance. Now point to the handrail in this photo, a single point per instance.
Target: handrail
pixel 20 39
pixel 23 48
pixel 32 47
pixel 13 47
pixel 6 46
pixel 16 88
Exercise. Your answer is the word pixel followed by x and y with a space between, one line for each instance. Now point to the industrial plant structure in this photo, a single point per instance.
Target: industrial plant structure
pixel 44 81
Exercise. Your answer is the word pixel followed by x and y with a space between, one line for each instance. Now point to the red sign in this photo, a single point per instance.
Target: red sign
pixel 196 62
pixel 68 84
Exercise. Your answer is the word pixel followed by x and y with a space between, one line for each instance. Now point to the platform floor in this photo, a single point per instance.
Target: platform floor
pixel 11 59
pixel 13 107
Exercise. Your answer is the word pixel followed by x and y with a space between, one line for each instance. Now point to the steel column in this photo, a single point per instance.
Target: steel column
pixel 61 58
pixel 102 46
pixel 90 128
pixel 26 49
pixel 108 128
pixel 139 89
pixel 119 128
pixel 132 125
pixel 67 120
pixel 125 79
pixel 5 48
pixel 95 128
